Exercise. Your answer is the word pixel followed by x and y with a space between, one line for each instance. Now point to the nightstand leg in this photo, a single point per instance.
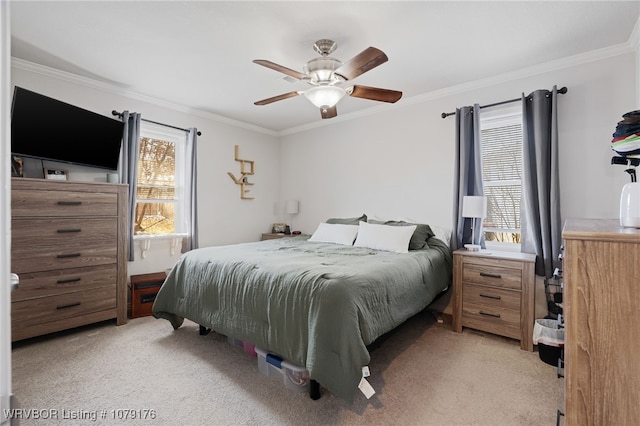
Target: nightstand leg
pixel 437 316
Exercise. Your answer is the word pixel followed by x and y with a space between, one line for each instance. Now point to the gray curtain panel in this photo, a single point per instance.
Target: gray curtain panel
pixel 467 173
pixel 540 217
pixel 191 242
pixel 129 166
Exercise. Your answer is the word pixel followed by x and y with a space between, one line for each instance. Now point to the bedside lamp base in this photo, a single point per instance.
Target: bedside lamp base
pixel 472 247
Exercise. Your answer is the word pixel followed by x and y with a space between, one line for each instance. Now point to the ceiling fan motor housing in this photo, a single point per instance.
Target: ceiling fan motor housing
pixel 321 70
pixel 325 46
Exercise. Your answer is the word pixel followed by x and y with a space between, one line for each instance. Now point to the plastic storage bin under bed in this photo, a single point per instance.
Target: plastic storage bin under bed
pixel 294 377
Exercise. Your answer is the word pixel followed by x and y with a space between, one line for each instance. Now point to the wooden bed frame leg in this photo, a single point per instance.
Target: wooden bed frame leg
pixel 314 390
pixel 204 331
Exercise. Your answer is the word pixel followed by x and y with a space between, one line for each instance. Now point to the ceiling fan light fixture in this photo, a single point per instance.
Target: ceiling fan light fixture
pixel 326 76
pixel 324 96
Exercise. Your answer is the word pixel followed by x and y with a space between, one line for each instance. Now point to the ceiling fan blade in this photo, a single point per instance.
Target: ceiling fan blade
pixel 282 69
pixel 374 93
pixel 329 112
pixel 361 63
pixel 277 98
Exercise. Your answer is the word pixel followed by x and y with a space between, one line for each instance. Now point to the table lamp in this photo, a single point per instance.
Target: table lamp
pixel 292 207
pixel 474 207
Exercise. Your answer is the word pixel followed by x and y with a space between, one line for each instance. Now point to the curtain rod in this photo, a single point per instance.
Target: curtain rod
pixel 446 114
pixel 119 114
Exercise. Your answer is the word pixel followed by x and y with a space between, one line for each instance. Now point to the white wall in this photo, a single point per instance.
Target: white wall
pixel 400 162
pixel 5 214
pixel 223 217
pixel 395 163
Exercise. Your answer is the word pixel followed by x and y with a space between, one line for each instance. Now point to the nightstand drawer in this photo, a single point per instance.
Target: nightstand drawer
pixel 273 236
pixel 505 322
pixel 491 297
pixel 495 277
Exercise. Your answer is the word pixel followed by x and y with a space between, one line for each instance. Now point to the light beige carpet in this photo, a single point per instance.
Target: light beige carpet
pixel 424 374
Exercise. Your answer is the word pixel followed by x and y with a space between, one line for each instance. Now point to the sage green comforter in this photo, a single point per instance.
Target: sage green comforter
pixel 316 304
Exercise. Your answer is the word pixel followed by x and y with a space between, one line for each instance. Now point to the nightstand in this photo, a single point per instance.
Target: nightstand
pixel 273 236
pixel 493 291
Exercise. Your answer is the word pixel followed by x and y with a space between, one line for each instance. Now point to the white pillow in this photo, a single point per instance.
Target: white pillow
pixel 335 233
pixel 442 233
pixel 383 237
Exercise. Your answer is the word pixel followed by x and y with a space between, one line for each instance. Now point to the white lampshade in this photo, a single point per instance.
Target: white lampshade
pixel 292 206
pixel 474 206
pixel 324 96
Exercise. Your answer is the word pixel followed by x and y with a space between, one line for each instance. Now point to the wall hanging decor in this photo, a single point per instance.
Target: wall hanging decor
pixel 246 169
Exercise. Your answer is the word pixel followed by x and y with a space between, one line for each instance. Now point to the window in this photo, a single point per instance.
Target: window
pixel 160 204
pixel 501 139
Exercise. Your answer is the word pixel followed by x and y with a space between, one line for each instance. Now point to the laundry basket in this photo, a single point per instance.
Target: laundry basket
pixel 549 337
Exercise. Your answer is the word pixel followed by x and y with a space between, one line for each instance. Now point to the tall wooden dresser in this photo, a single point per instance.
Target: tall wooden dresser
pixel 68 246
pixel 602 323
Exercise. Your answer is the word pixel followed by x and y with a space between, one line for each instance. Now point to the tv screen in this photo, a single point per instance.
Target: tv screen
pixel 48 129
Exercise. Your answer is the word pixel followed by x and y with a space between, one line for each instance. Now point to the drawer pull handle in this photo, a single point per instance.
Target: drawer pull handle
pixel 70 305
pixel 65 256
pixel 490 314
pixel 68 280
pixel 64 231
pixel 490 296
pixel 69 203
pixel 487 274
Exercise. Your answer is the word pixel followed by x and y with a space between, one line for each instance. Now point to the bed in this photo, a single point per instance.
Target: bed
pixel 317 304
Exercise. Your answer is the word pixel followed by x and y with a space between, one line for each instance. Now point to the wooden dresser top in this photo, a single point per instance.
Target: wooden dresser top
pixel 600 230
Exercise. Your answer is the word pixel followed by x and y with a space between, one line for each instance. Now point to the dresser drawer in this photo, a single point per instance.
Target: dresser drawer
pixel 491 297
pixel 45 244
pixel 41 203
pixel 49 283
pixel 491 276
pixel 48 314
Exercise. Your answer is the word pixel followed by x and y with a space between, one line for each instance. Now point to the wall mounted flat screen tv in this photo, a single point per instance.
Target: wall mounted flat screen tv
pixel 49 129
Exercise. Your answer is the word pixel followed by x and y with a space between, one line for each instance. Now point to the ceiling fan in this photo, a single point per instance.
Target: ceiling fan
pixel 326 75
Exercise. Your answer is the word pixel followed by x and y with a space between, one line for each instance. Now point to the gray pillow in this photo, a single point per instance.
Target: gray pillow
pixel 420 235
pixel 348 220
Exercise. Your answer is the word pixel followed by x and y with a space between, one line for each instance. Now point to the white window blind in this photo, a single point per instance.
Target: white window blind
pixel 501 139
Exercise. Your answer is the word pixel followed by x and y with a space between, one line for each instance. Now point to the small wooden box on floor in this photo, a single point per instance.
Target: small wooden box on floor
pixel 144 288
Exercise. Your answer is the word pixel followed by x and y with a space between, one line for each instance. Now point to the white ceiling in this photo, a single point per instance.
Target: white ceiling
pixel 199 53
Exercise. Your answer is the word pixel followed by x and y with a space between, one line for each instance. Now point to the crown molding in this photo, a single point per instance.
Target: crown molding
pixel 634 38
pixel 115 89
pixel 583 58
pixel 595 55
pixel 631 46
